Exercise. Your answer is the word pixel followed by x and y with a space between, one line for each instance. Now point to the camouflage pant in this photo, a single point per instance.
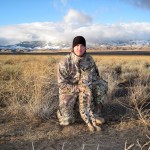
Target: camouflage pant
pixel 67 102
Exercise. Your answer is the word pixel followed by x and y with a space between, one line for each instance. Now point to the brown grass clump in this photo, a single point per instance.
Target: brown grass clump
pixel 139 100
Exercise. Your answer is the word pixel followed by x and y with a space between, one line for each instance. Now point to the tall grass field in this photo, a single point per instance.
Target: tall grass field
pixel 29 89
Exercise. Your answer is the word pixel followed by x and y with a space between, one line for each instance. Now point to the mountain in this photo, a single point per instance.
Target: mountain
pixel 37 45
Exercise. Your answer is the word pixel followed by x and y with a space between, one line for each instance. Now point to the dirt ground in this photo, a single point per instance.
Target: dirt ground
pixel 49 135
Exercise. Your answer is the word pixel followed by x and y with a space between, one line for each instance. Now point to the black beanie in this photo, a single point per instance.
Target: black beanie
pixel 78 40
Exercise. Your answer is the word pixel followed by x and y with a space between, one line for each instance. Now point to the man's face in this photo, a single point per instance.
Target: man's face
pixel 79 50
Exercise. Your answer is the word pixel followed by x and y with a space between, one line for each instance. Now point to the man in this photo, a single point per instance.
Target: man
pixel 69 75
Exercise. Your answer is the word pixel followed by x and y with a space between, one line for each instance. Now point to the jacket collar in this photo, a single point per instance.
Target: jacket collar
pixel 76 58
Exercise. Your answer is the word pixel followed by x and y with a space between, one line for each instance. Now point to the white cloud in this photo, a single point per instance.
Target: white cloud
pixel 75 17
pixel 64 32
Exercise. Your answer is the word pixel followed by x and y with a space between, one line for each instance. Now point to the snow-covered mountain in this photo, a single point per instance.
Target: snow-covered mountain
pixel 38 45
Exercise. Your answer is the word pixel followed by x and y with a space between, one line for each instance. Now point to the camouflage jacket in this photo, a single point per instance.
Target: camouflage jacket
pixel 70 73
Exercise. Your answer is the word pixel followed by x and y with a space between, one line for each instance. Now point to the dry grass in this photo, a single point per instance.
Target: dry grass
pixel 28 84
pixel 29 93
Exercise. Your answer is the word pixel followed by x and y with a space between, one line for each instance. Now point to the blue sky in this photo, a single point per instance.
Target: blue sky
pixel 101 11
pixel 55 20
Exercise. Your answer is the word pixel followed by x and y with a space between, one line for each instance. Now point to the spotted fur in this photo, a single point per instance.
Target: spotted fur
pixel 85 102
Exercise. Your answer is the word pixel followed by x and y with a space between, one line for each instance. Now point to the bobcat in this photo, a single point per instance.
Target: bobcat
pixel 85 96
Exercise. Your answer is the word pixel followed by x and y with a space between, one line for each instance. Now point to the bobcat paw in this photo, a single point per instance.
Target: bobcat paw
pixel 91 128
pixel 100 120
pixel 98 128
